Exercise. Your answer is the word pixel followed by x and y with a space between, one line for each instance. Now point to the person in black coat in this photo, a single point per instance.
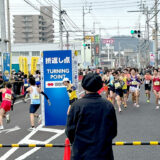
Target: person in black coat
pixel 91 123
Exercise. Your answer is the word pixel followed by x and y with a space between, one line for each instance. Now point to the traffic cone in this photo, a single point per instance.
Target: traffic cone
pixel 67 150
pixel 22 93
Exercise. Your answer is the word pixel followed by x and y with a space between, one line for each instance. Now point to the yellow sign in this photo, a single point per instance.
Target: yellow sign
pixel 23 64
pixel 90 37
pixel 34 62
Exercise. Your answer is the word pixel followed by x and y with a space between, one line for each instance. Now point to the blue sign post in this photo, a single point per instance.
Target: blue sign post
pixel 56 66
pixel 6 66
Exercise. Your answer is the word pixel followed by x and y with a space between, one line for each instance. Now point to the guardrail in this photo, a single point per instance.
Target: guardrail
pixel 134 143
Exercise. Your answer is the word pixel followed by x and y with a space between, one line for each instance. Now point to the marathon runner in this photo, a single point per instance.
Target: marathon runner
pixel 156 87
pixel 111 88
pixel 124 89
pixel 71 89
pixel 7 96
pixel 105 80
pixel 34 92
pixel 134 87
pixel 147 85
pixel 118 85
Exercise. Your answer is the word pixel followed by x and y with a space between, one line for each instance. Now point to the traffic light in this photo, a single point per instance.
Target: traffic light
pixel 137 32
pixel 153 34
pixel 87 45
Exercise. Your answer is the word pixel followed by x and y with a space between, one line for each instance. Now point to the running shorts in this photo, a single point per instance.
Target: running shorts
pixel 6 105
pixel 34 108
pixel 147 87
pixel 119 92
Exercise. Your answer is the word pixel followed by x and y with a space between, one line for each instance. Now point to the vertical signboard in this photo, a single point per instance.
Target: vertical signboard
pixel 75 71
pixel 34 62
pixel 56 66
pixel 6 66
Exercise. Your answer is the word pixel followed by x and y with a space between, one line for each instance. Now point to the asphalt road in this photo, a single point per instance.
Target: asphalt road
pixel 134 124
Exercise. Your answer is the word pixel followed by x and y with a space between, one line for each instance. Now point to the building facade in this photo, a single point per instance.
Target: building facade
pixel 34 28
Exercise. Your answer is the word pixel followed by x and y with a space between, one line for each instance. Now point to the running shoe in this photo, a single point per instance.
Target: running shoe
pixel 1 127
pixel 137 105
pixel 32 129
pixel 39 119
pixel 148 101
pixel 157 107
pixel 119 109
pixel 8 118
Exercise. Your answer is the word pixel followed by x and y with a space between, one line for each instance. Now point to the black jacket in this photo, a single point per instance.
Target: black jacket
pixel 91 126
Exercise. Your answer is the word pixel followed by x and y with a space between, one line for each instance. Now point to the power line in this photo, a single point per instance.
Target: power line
pixel 39 10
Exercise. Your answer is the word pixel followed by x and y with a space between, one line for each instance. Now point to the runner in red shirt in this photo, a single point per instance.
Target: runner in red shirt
pixel 156 87
pixel 6 103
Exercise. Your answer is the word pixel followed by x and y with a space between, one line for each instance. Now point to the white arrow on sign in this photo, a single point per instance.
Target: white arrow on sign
pixel 10 130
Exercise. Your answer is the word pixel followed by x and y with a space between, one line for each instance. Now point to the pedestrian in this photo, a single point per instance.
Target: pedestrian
pixel 91 123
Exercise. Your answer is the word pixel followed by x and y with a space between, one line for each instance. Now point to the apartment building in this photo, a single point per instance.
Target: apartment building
pixel 34 28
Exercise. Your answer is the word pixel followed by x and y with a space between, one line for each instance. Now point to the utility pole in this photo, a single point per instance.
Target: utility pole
pixel 9 35
pixel 83 15
pixel 156 34
pixel 60 26
pixel 67 38
pixel 119 53
pixel 84 48
pixel 3 31
pixel 148 44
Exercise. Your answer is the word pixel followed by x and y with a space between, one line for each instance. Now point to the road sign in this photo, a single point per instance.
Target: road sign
pixel 90 38
pixel 56 66
pixel 108 41
pixel 6 66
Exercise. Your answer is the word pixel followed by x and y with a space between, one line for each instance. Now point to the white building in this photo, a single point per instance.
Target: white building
pixel 35 49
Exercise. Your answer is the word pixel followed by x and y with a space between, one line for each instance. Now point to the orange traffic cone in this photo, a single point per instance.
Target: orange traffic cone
pixel 67 150
pixel 22 91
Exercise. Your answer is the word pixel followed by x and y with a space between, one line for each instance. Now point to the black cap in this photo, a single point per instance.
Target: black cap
pixel 92 82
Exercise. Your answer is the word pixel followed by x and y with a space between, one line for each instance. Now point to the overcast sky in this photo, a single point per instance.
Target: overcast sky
pixel 107 14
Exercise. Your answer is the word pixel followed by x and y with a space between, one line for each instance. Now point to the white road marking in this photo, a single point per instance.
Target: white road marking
pixel 21 101
pixel 27 140
pixel 16 128
pixel 36 149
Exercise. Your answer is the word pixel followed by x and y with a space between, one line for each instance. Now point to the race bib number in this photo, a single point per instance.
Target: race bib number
pixel 134 83
pixel 8 96
pixel 26 85
pixel 36 96
pixel 117 85
pixel 147 81
pixel 156 83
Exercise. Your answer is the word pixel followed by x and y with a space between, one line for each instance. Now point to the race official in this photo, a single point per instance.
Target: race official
pixel 91 123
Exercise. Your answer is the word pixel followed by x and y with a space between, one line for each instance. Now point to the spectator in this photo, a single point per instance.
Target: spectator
pixel 91 123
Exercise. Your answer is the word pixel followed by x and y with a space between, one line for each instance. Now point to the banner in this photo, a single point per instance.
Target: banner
pixel 57 65
pixel 20 63
pixel 6 66
pixel 34 62
pixel 23 64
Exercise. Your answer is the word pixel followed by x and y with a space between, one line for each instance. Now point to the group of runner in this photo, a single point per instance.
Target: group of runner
pixel 31 87
pixel 119 84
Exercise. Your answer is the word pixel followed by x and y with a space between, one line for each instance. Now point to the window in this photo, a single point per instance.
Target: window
pixel 15 53
pixel 35 53
pixel 24 53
